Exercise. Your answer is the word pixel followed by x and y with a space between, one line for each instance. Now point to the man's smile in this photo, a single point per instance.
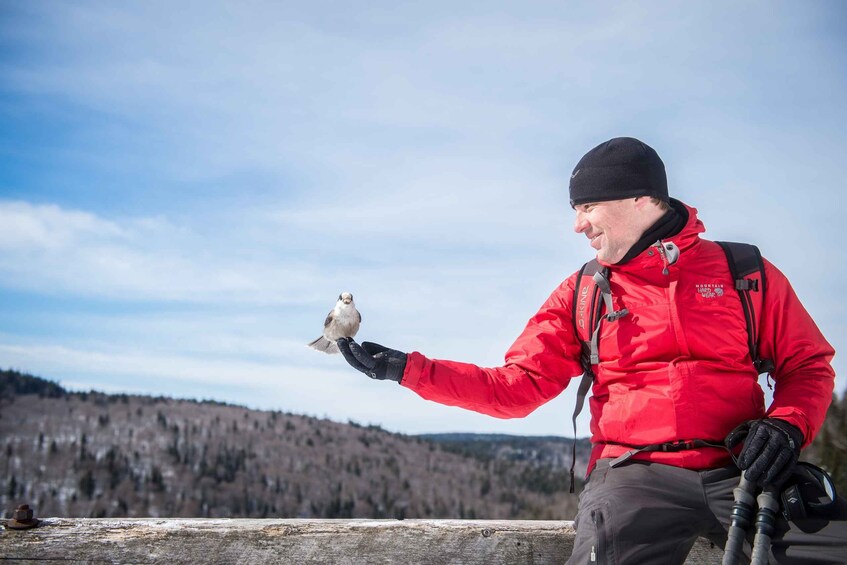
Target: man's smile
pixel 594 239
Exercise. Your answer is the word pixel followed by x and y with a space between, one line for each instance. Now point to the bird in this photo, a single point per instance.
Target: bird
pixel 342 321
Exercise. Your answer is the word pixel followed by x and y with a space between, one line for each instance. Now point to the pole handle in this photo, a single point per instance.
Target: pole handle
pixel 765 526
pixel 740 520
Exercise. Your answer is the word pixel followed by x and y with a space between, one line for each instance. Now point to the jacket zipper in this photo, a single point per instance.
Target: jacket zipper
pixel 670 254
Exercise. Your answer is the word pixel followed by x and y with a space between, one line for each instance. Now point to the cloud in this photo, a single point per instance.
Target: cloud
pixel 52 250
pixel 49 228
pixel 191 185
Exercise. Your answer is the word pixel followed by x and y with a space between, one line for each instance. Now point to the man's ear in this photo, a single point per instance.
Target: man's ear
pixel 643 202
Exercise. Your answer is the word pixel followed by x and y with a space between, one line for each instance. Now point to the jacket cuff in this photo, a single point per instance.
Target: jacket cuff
pixel 414 368
pixel 793 418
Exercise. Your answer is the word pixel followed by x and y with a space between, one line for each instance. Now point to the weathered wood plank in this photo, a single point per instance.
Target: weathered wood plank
pixel 299 542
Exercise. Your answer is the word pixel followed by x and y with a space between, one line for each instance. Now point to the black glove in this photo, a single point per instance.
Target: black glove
pixel 771 449
pixel 374 360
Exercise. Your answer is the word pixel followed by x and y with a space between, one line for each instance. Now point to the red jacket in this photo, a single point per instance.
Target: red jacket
pixel 677 367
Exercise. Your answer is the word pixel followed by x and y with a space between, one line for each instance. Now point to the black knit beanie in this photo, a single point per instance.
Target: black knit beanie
pixel 620 168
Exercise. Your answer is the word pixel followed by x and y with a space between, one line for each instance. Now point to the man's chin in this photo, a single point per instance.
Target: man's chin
pixel 608 258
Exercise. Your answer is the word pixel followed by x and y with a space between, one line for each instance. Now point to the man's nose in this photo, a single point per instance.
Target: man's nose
pixel 580 223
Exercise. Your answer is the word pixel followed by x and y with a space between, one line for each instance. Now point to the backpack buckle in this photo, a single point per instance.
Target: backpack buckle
pixel 747 284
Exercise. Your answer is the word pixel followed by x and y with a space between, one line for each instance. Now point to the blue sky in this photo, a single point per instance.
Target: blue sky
pixel 186 187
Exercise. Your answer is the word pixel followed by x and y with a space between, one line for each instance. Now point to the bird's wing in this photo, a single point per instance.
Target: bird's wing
pixel 328 320
pixel 360 316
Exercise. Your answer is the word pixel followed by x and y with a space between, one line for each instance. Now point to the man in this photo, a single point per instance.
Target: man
pixel 674 367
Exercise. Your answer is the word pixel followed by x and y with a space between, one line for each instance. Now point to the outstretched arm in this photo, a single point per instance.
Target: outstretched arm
pixel 538 366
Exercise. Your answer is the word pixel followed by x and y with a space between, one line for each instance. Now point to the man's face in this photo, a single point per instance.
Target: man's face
pixel 613 227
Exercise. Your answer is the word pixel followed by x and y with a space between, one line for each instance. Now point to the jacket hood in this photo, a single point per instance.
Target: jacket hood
pixel 690 233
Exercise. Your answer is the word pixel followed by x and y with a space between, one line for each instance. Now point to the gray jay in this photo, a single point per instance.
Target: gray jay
pixel 342 322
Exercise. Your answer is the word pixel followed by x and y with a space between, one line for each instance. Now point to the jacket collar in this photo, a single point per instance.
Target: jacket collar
pixel 686 238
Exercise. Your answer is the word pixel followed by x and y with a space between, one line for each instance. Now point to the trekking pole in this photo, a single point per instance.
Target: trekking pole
pixel 740 519
pixel 765 525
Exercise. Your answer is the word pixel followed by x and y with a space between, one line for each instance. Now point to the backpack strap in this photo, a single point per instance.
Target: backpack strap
pixel 586 308
pixel 592 286
pixel 748 272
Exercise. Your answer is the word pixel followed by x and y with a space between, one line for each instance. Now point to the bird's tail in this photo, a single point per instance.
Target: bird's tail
pixel 323 344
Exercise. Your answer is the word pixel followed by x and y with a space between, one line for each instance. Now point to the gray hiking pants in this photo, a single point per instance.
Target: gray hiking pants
pixel 645 513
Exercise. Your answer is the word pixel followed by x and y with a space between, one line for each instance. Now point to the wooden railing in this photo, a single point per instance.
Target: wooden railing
pixel 173 541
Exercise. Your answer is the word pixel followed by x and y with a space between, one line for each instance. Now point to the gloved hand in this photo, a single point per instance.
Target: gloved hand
pixel 374 360
pixel 771 449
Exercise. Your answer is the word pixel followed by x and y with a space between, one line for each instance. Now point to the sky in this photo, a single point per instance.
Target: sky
pixel 186 187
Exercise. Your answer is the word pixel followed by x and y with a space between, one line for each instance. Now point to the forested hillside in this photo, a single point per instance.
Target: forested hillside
pixel 98 455
pixel 829 449
pixel 92 454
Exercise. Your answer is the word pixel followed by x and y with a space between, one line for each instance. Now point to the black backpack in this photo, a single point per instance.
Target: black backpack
pixel 592 288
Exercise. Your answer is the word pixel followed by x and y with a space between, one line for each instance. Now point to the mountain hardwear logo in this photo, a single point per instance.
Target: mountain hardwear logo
pixel 710 290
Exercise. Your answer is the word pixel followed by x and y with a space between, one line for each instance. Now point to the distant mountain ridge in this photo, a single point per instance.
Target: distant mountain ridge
pixel 554 452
